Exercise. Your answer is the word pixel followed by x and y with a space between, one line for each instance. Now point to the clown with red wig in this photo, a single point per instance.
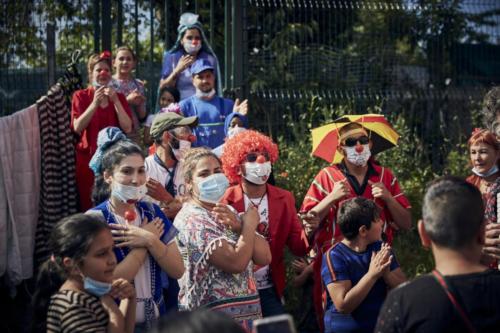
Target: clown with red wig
pixel 247 162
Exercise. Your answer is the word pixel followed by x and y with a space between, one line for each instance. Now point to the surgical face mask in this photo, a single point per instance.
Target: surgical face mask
pixel 235 130
pixel 97 85
pixel 179 153
pixel 257 173
pixel 490 172
pixel 192 48
pixel 206 95
pixel 128 194
pixel 96 288
pixel 212 188
pixel 359 159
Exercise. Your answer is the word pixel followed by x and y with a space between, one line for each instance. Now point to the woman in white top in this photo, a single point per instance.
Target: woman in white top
pixel 144 237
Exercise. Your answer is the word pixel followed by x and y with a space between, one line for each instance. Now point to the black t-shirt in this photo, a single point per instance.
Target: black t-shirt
pixel 422 305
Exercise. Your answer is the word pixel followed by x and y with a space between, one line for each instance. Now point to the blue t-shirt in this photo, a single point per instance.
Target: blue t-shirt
pixel 211 115
pixel 184 81
pixel 348 264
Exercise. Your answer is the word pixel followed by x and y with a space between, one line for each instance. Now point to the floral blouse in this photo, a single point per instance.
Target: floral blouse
pixel 204 285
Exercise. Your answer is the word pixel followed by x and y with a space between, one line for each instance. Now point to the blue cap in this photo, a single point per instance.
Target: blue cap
pixel 201 65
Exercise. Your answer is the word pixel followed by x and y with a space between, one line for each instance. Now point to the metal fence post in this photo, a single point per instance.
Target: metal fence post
pixel 238 47
pixel 227 45
pixel 97 25
pixel 119 23
pixel 106 25
pixel 51 53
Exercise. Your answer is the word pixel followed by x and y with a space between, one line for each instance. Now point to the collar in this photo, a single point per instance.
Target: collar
pixel 235 193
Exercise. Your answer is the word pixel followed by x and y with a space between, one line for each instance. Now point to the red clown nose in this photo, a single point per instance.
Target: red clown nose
pixel 359 149
pixel 261 159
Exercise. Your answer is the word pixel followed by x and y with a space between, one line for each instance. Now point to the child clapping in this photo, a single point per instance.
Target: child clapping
pixel 358 270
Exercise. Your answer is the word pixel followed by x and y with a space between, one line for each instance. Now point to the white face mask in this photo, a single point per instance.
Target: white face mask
pixel 257 173
pixel 205 95
pixel 235 130
pixel 191 48
pixel 490 172
pixel 128 194
pixel 184 146
pixel 359 159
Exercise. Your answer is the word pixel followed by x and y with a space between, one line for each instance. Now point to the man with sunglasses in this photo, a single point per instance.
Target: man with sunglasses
pixel 173 136
pixel 357 175
pixel 247 162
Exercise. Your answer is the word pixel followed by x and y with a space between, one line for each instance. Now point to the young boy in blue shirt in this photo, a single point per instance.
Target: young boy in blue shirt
pixel 358 270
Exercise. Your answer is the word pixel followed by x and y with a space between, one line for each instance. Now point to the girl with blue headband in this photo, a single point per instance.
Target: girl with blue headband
pixel 191 44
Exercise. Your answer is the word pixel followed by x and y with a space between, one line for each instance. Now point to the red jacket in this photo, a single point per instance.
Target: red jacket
pixel 284 228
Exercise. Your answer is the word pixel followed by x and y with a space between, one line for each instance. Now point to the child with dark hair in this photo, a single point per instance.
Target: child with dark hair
pixel 76 288
pixel 461 294
pixel 358 270
pixel 168 97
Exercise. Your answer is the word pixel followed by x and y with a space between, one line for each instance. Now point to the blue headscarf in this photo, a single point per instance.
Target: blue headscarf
pixel 106 138
pixel 190 21
pixel 230 117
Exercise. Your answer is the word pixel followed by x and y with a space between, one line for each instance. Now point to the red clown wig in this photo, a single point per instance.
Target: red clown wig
pixel 237 147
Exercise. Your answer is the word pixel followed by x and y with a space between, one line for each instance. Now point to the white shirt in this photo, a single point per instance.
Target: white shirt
pixel 262 273
pixel 160 174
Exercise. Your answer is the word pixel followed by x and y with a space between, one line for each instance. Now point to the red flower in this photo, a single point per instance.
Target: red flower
pixel 105 55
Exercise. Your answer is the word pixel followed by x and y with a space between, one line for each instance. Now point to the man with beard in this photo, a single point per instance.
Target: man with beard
pixel 172 136
pixel 246 161
pixel 210 108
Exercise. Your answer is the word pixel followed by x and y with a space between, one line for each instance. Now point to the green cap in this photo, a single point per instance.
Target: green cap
pixel 169 120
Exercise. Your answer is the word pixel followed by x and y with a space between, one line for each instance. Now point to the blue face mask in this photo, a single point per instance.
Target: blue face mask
pixel 96 288
pixel 212 188
pixel 490 172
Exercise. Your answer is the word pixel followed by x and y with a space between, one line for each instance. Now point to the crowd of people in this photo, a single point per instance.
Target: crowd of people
pixel 180 213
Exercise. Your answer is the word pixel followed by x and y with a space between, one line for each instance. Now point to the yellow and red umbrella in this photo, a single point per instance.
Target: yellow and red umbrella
pixel 325 139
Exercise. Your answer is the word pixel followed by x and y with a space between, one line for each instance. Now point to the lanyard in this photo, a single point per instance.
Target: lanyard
pixel 170 185
pixel 442 281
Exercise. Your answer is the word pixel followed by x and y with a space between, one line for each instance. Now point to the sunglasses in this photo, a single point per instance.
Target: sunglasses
pixel 351 142
pixel 252 157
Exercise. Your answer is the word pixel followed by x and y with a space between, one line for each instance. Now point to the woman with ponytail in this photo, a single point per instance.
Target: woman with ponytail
pixel 144 237
pixel 76 287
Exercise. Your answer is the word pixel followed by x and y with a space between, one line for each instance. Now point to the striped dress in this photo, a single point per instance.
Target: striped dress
pixel 75 311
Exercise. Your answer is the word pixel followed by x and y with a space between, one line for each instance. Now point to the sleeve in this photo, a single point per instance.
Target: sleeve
pixel 80 318
pixel 78 106
pixel 185 106
pixel 168 65
pixel 203 236
pixel 297 240
pixel 170 231
pixel 389 318
pixel 319 189
pixel 334 269
pixel 396 192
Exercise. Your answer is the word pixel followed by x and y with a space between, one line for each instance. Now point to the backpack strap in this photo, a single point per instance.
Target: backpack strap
pixel 442 282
